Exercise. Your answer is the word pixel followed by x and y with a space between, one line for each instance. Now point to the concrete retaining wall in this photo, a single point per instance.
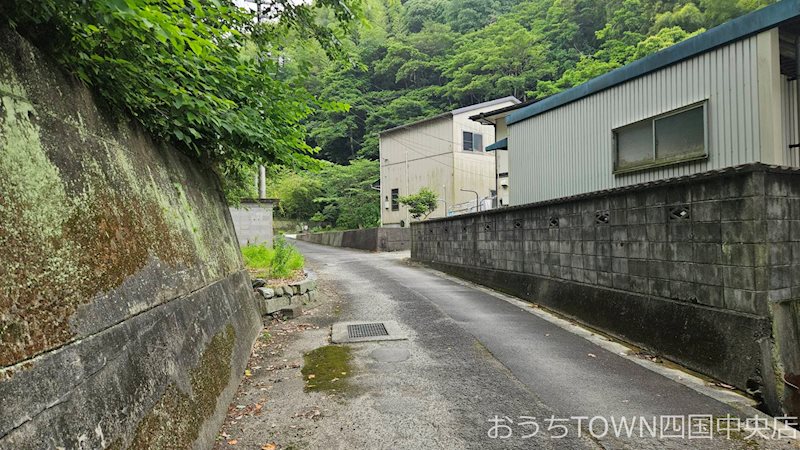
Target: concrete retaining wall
pixel 126 317
pixel 704 270
pixel 288 226
pixel 372 239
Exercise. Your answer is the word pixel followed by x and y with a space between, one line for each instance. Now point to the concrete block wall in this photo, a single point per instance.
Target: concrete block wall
pixel 722 248
pixel 394 239
pixel 782 205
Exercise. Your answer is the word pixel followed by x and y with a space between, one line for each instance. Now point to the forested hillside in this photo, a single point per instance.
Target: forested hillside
pixel 416 58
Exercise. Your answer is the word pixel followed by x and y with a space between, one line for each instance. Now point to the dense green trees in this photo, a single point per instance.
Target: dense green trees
pixel 517 62
pixel 417 58
pixel 199 73
pixel 341 196
pixel 202 74
pixel 420 12
pixel 314 80
pixel 421 57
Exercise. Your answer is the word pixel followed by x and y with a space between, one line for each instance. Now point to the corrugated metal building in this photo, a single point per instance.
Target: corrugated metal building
pixel 723 98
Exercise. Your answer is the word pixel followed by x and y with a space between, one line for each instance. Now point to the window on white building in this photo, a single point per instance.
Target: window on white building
pixel 671 138
pixel 473 142
pixel 395 199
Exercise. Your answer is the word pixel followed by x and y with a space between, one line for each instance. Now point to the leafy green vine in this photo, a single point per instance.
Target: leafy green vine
pixel 205 75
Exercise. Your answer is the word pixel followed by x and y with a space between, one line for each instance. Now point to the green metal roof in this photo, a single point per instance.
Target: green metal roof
pixel 734 30
pixel 502 144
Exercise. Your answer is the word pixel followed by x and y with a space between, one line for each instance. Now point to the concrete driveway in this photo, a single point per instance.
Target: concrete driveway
pixel 482 372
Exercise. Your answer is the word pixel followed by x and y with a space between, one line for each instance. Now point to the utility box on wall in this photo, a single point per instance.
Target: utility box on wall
pixel 252 220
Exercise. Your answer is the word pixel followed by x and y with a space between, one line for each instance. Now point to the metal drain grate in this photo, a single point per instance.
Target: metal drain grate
pixel 380 330
pixel 363 330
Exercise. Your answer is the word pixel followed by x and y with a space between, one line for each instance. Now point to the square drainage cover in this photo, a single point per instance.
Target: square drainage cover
pixel 386 330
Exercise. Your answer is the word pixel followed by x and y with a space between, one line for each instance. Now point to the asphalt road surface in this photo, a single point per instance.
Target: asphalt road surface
pixel 486 373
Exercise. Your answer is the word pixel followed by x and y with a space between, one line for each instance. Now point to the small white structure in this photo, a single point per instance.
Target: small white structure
pixel 252 220
pixel 720 99
pixel 446 154
pixel 497 119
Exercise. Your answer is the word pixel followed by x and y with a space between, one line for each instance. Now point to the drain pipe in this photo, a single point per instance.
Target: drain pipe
pixel 477 199
pixel 796 92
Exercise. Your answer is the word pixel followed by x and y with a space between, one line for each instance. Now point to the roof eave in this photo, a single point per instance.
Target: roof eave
pixel 444 115
pixel 482 119
pixel 452 113
pixel 497 101
pixel 502 144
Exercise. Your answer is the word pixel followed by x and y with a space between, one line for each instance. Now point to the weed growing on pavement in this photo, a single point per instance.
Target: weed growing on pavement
pixel 327 368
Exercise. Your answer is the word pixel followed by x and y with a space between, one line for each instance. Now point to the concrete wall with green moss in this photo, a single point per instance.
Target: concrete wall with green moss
pixel 125 314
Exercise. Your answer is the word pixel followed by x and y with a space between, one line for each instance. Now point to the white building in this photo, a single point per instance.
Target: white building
pixel 497 119
pixel 720 99
pixel 253 221
pixel 446 154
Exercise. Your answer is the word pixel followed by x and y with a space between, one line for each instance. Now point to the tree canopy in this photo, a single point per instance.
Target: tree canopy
pixel 420 57
pixel 323 78
pixel 205 75
pixel 421 204
pixel 340 196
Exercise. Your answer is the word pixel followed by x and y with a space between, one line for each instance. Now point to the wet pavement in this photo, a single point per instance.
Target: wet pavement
pixel 475 372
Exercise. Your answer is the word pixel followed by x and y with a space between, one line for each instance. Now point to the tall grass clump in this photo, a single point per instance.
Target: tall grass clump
pixel 280 261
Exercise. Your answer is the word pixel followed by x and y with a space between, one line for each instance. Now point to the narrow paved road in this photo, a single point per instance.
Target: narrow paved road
pixel 475 356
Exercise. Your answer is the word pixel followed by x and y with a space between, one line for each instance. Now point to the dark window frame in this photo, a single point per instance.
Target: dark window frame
pixel 655 161
pixel 474 145
pixel 395 199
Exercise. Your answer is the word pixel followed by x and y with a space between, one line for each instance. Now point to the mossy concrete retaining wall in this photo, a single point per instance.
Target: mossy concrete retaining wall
pixel 126 317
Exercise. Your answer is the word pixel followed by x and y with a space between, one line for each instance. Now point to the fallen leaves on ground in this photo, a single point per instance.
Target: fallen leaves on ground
pixel 292 365
pixel 239 411
pixel 265 368
pixel 290 328
pixel 648 356
pixel 312 413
